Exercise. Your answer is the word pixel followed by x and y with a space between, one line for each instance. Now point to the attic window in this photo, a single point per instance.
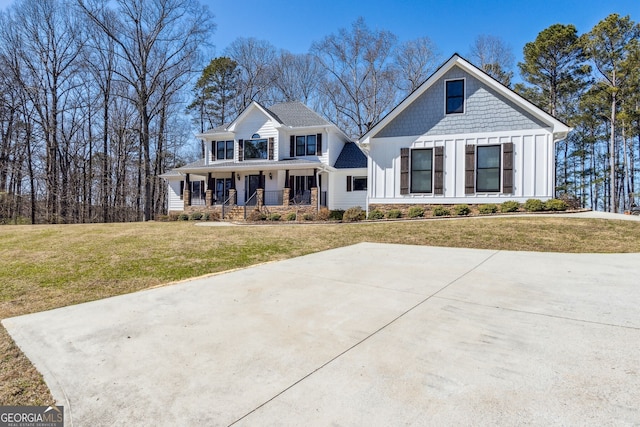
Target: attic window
pixel 255 136
pixel 454 96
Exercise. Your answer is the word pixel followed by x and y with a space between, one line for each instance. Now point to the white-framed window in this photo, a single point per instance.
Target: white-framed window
pixel 356 183
pixel 454 96
pixel 488 168
pixel 224 150
pixel 306 145
pixel 421 170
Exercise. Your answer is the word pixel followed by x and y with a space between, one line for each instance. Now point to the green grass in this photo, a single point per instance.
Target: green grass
pixel 45 267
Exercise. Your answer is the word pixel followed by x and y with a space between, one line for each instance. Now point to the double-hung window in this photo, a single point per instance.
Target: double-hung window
pixel 454 96
pixel 224 150
pixel 488 169
pixel 421 170
pixel 306 145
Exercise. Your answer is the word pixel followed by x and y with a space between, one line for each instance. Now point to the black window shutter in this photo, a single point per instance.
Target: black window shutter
pixel 469 169
pixel 181 189
pixel 349 181
pixel 438 166
pixel 213 150
pixel 319 144
pixel 271 140
pixel 292 146
pixel 240 150
pixel 404 171
pixel 507 168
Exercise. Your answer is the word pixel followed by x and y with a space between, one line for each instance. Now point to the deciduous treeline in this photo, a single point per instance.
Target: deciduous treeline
pixel 92 90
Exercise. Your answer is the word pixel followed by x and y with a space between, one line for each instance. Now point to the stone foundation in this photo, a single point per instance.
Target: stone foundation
pixel 428 208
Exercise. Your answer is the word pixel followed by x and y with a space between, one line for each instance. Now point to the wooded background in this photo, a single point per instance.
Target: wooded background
pixel 98 98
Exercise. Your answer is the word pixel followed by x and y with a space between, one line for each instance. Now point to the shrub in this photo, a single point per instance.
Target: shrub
pixel 441 211
pixel 572 201
pixel 488 209
pixel 196 216
pixel 308 216
pixel 394 213
pixel 206 216
pixel 415 212
pixel 336 214
pixel 291 216
pixel 173 216
pixel 275 217
pixel 256 215
pixel 183 217
pixel 354 214
pixel 509 206
pixel 323 214
pixel 461 210
pixel 533 205
pixel 376 214
pixel 555 205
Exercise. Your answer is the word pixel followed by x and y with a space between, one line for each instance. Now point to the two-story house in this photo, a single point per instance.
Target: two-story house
pixel 282 157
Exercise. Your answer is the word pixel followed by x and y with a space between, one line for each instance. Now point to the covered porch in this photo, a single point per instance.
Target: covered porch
pixel 299 184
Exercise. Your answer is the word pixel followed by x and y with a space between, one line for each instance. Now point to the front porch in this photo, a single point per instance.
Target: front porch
pixel 232 194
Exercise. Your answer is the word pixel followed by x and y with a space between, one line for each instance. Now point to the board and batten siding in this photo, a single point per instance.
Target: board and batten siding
pixel 533 163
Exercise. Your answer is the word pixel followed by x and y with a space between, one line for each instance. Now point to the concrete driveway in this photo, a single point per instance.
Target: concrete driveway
pixel 371 335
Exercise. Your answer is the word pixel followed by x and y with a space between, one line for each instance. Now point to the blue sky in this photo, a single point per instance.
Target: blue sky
pixel 452 25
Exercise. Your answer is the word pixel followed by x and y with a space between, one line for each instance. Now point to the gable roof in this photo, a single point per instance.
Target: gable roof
pixel 351 157
pixel 559 128
pixel 289 114
pixel 296 114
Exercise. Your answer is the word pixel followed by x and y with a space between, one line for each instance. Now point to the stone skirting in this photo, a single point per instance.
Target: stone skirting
pixel 404 207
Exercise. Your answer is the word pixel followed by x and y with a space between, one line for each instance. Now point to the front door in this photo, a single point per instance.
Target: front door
pixel 251 184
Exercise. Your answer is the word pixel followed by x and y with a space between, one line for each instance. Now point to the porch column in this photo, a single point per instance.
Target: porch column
pixel 260 196
pixel 232 197
pixel 314 198
pixel 233 180
pixel 286 178
pixel 186 194
pixel 286 192
pixel 315 179
pixel 209 193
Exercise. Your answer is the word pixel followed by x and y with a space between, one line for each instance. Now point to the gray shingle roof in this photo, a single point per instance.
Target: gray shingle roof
pixel 351 157
pixel 296 114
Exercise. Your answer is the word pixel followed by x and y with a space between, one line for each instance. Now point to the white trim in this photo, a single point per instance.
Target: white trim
pixel 464 96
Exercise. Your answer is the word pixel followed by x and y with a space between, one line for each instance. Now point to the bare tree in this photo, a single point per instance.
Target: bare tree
pixel 158 42
pixel 494 56
pixel 255 59
pixel 42 42
pixel 297 77
pixel 359 87
pixel 416 60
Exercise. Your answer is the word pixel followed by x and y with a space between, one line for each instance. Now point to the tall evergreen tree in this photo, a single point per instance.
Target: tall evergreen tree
pixel 215 92
pixel 607 45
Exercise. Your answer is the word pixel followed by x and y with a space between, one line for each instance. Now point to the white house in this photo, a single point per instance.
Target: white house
pixel 462 137
pixel 273 158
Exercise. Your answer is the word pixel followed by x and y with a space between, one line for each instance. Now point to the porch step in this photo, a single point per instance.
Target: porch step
pixel 234 214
